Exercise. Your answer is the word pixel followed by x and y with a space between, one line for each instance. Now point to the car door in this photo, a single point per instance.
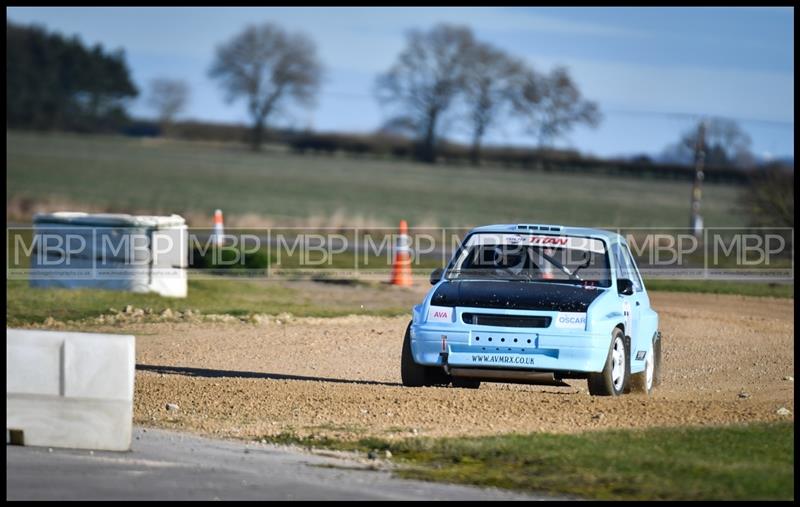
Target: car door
pixel 633 304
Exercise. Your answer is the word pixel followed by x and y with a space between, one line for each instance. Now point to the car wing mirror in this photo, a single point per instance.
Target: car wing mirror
pixel 436 275
pixel 625 287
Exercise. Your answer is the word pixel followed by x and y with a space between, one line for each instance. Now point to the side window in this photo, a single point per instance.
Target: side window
pixel 620 262
pixel 633 273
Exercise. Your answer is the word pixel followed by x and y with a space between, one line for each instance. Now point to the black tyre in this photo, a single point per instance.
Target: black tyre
pixel 466 383
pixel 417 375
pixel 615 377
pixel 645 381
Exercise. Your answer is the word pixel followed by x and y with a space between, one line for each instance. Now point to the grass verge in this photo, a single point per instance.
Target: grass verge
pixel 232 297
pixel 756 289
pixel 28 305
pixel 746 462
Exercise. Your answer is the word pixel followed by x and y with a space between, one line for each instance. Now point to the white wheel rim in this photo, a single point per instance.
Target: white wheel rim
pixel 648 368
pixel 618 363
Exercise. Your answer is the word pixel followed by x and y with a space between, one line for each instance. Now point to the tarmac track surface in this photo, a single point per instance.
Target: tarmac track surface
pixel 727 359
pixel 165 465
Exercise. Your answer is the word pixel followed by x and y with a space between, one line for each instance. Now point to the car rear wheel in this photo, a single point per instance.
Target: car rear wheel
pixel 647 380
pixel 615 376
pixel 418 375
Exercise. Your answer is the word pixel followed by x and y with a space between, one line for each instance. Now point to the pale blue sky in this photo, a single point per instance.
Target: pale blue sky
pixel 653 71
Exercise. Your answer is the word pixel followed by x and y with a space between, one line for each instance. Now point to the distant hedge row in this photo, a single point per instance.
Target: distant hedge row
pixel 387 146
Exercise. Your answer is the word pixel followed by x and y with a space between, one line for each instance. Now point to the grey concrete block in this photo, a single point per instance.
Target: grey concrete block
pixel 70 390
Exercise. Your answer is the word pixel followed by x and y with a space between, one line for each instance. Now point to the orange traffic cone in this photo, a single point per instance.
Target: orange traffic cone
pixel 547 269
pixel 219 231
pixel 401 270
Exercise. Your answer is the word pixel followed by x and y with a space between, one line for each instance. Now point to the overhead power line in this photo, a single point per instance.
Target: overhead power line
pixel 614 110
pixel 698 116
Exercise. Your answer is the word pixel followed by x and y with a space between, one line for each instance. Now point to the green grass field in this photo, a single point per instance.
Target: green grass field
pixel 752 462
pixel 126 174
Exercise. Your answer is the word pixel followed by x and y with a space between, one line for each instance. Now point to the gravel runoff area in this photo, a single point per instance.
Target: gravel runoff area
pixel 727 359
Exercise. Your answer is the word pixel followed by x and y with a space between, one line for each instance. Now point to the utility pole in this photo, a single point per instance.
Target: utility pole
pixel 696 221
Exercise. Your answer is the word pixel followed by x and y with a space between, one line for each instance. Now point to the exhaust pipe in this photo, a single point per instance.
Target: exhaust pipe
pixel 515 376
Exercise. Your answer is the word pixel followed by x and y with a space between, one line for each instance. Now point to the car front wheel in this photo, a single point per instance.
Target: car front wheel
pixel 417 375
pixel 615 376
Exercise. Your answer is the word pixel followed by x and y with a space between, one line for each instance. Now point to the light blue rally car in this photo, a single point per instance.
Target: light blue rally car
pixel 536 304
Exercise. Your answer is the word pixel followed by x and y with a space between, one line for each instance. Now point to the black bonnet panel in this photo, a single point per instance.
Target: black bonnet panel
pixel 515 296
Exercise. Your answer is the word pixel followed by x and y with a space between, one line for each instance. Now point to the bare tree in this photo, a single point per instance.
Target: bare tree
pixel 553 105
pixel 426 79
pixel 168 97
pixel 267 66
pixel 492 81
pixel 725 144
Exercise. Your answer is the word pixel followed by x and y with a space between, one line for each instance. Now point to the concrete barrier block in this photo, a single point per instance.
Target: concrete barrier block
pixel 111 252
pixel 71 390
